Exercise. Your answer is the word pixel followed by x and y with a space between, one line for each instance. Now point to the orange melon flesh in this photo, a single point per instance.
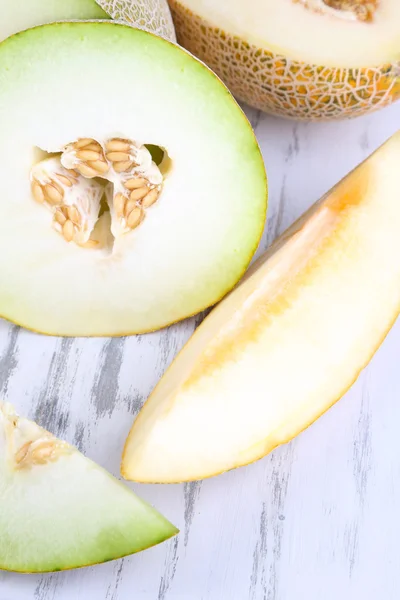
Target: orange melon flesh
pixel 287 342
pixel 292 60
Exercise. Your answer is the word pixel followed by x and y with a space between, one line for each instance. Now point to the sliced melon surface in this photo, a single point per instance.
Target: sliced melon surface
pixel 79 104
pixel 59 510
pixel 312 59
pixel 287 342
pixel 15 17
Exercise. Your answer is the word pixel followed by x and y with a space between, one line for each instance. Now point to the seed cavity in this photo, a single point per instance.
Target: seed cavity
pixel 352 10
pixel 71 186
pixel 74 201
pixel 26 444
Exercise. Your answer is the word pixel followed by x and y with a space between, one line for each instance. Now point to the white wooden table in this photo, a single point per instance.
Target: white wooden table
pixel 316 520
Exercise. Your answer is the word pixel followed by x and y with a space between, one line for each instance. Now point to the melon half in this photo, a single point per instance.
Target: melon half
pixel 304 59
pixel 59 510
pixel 287 342
pixel 132 188
pixel 153 15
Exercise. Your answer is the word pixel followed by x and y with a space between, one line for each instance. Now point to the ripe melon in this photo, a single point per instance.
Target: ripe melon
pixel 133 191
pixel 303 59
pixel 287 342
pixel 59 510
pixel 152 15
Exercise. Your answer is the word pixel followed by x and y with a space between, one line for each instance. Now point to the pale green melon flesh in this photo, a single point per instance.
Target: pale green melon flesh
pixel 69 80
pixel 15 18
pixel 67 512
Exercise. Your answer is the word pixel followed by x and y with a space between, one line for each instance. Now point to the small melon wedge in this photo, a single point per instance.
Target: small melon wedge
pixel 287 342
pixel 303 59
pixel 59 510
pixel 80 105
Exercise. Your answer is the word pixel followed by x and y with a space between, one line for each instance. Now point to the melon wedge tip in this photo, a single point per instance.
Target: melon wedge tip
pixel 59 510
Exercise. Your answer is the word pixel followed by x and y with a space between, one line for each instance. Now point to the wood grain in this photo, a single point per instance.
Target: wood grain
pixel 316 519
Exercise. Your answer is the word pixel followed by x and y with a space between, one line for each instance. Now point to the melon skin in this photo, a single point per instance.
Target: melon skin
pixel 150 15
pixel 276 84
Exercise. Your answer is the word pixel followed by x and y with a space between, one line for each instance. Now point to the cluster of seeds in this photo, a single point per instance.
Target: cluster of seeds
pixel 88 157
pixel 39 452
pixel 91 160
pixel 120 153
pixel 51 190
pixel 70 221
pixel 138 195
pixel 118 162
pixel 363 10
pixel 69 186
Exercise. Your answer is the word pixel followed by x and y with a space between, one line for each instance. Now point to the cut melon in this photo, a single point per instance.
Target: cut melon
pixel 152 15
pixel 287 342
pixel 84 108
pixel 304 59
pixel 59 510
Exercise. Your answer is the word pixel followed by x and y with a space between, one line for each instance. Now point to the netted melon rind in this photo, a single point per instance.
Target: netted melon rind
pixel 288 88
pixel 150 15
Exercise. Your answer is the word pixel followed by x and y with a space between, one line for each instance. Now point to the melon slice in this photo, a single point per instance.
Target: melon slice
pixel 287 342
pixel 304 59
pixel 152 15
pixel 100 238
pixel 59 510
